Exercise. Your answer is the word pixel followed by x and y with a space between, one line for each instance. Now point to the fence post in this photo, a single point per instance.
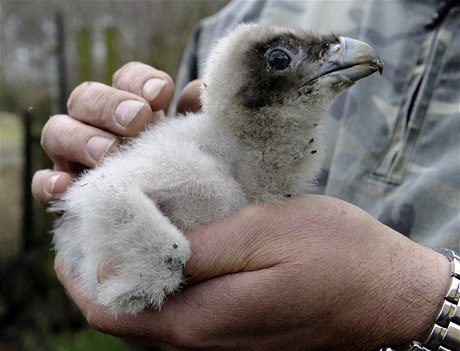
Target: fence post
pixel 27 225
pixel 84 54
pixel 111 60
pixel 61 64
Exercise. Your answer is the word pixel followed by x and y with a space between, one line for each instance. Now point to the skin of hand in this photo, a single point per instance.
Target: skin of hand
pixel 313 273
pixel 97 116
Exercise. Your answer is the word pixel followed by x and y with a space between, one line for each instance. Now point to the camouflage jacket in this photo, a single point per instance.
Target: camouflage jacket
pixel 393 141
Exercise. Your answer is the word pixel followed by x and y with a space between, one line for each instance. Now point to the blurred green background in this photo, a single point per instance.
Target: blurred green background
pixel 46 49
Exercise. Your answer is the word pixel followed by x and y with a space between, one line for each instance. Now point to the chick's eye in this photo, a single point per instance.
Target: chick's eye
pixel 278 60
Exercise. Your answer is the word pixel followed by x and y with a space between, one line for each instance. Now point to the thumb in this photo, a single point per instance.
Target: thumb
pixel 241 242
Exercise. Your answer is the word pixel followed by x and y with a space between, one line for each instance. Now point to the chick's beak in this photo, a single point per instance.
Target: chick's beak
pixel 349 60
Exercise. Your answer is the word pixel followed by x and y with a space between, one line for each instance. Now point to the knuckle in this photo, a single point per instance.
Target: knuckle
pixel 62 135
pixel 43 135
pixel 99 322
pixel 185 336
pixel 76 93
pixel 118 75
pixel 37 186
pixel 48 130
pixel 94 322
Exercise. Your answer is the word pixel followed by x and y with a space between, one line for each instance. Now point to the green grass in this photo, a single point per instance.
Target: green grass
pixel 10 129
pixel 10 183
pixel 85 340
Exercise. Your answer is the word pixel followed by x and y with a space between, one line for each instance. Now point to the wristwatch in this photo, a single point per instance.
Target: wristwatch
pixel 445 335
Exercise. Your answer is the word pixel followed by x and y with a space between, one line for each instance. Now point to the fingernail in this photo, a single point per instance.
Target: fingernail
pixel 127 110
pixel 50 185
pixel 98 146
pixel 152 88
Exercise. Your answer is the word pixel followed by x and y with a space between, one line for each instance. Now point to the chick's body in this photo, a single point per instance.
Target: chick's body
pixel 266 91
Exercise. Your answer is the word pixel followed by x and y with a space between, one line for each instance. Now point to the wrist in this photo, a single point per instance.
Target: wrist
pixel 427 304
pixel 445 334
pixel 392 289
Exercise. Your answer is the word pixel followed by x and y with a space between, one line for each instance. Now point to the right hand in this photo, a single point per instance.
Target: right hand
pixel 304 274
pixel 97 116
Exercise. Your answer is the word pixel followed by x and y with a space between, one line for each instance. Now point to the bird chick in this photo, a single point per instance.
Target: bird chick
pixel 266 91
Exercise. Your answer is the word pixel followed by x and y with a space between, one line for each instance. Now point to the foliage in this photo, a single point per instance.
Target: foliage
pixel 10 188
pixel 84 340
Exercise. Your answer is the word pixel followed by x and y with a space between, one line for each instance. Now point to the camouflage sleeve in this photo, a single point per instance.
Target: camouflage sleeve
pixel 393 141
pixel 397 152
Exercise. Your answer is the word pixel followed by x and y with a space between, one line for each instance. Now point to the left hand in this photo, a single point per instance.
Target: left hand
pixel 98 117
pixel 312 273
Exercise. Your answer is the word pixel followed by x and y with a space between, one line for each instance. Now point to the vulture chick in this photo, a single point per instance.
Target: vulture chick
pixel 266 90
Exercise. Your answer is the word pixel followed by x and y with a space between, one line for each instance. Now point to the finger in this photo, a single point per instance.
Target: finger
pixel 73 287
pixel 47 185
pixel 119 112
pixel 153 85
pixel 98 317
pixel 194 304
pixel 64 138
pixel 189 99
pixel 184 320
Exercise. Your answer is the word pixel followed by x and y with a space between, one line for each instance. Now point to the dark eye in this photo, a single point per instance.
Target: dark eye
pixel 278 60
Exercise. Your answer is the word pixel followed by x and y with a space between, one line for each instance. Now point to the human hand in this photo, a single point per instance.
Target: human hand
pixel 313 273
pixel 97 116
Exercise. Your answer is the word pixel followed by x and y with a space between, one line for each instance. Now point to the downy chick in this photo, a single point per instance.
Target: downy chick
pixel 266 90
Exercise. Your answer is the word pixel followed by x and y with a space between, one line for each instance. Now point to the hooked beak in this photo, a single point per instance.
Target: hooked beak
pixel 349 60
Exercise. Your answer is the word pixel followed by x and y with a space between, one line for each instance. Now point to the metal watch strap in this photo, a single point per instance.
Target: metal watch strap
pixel 445 335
